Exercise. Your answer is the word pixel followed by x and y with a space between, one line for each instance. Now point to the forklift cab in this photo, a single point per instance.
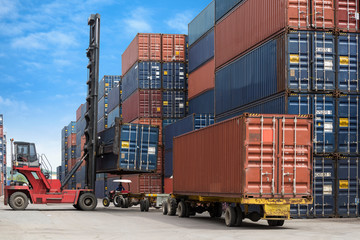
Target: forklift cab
pixel 25 154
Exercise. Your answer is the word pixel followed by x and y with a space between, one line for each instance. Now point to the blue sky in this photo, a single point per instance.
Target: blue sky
pixel 43 57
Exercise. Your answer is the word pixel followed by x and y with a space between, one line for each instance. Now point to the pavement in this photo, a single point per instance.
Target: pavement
pixel 56 221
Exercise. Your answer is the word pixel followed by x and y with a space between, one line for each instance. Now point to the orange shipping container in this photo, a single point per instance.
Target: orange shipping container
pixel 168 185
pixel 71 140
pixel 144 183
pixel 173 47
pixel 248 156
pixel 202 79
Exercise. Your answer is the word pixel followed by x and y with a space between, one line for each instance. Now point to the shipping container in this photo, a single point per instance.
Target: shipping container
pixel 174 76
pixel 297 61
pixel 202 79
pixel 115 113
pixel 347 15
pixel 348 62
pixel 102 107
pixel 100 188
pixel 202 51
pixel 321 106
pixel 168 185
pixel 153 122
pixel 269 17
pixel 71 140
pixel 107 83
pixel 248 156
pixel 114 98
pixel 202 23
pixel 101 125
pixel 140 183
pixel 71 128
pixel 64 137
pixel 168 121
pixel 174 47
pixel 1 119
pixel 78 112
pixel 202 104
pixel 223 7
pixel 144 47
pixel 174 104
pixel 138 146
pixel 142 75
pixel 142 104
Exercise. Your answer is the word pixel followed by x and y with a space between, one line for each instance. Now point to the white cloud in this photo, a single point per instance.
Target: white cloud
pixel 12 105
pixel 8 9
pixel 180 22
pixel 138 21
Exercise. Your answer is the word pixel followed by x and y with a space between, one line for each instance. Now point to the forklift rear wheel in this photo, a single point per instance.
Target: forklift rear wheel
pixel 87 201
pixel 18 201
pixel 117 201
pixel 106 202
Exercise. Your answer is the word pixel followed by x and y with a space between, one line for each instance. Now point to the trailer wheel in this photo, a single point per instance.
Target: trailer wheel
pixel 142 205
pixel 164 207
pixel 87 201
pixel 117 201
pixel 272 223
pixel 280 223
pixel 106 202
pixel 146 205
pixel 172 205
pixel 239 216
pixel 181 209
pixel 230 216
pixel 18 201
pixel 126 202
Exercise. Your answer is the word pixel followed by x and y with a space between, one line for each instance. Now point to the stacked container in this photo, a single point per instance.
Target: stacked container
pixel 2 156
pixel 114 105
pixel 107 83
pixel 201 62
pixel 64 153
pixel 154 87
pixel 297 57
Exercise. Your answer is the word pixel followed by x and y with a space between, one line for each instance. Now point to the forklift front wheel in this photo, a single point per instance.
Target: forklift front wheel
pixel 87 201
pixel 106 202
pixel 18 201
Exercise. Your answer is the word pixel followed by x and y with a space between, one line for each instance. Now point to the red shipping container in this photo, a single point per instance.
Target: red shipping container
pixel 255 21
pixel 71 140
pixel 1 131
pixel 202 79
pixel 168 185
pixel 154 122
pixel 78 113
pixel 142 104
pixel 347 15
pixel 144 47
pixel 82 142
pixel 173 47
pixel 143 183
pixel 248 156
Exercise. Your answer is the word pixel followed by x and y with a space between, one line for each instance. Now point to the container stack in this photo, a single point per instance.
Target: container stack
pixel 69 152
pixel 2 156
pixel 80 142
pixel 114 105
pixel 107 83
pixel 58 173
pixel 64 153
pixel 201 62
pixel 154 88
pixel 301 57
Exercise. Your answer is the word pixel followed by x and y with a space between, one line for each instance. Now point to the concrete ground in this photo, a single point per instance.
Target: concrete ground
pixel 64 222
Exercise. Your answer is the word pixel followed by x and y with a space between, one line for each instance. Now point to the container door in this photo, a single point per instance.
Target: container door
pixel 324 187
pixel 323 62
pixel 299 13
pixel 347 15
pixel 128 147
pixel 323 14
pixel 147 148
pixel 348 62
pixel 299 51
pixel 295 153
pixel 348 187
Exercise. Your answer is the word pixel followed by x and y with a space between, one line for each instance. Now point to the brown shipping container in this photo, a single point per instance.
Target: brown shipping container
pixel 71 140
pixel 143 183
pixel 78 113
pixel 173 47
pixel 248 156
pixel 1 131
pixel 151 121
pixel 168 185
pixel 144 47
pixel 255 21
pixel 202 79
pixel 142 104
pixel 347 15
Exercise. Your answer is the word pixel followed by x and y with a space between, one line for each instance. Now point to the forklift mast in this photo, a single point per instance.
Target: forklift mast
pixel 90 147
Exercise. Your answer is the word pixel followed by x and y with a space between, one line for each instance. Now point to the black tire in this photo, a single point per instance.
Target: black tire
pixel 272 223
pixel 126 203
pixel 142 205
pixel 239 216
pixel 172 206
pixel 106 201
pixel 280 223
pixel 18 201
pixel 117 201
pixel 87 201
pixel 76 207
pixel 146 205
pixel 181 209
pixel 164 208
pixel 230 216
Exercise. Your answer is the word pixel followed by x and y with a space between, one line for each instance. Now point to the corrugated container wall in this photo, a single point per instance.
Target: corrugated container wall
pixel 174 75
pixel 235 158
pixel 269 17
pixel 347 15
pixel 201 51
pixel 114 98
pixel 202 104
pixel 173 47
pixel 202 23
pixel 223 7
pixel 202 80
pixel 174 104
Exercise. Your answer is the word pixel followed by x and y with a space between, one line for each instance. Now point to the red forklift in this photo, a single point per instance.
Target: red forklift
pixel 40 188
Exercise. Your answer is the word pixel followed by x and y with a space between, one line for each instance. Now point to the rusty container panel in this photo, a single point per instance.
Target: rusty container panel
pixel 71 140
pixel 142 183
pixel 144 47
pixel 202 79
pixel 168 185
pixel 267 18
pixel 78 112
pixel 173 47
pixel 347 15
pixel 247 156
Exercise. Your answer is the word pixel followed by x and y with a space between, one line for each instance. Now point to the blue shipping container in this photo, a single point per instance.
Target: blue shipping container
pixel 102 107
pixel 202 23
pixel 143 75
pixel 202 104
pixel 223 7
pixel 101 125
pixel 202 51
pixel 71 128
pixel 64 137
pixel 107 83
pixel 321 106
pixel 348 124
pixel 114 98
pixel 174 103
pixel 288 62
pixel 112 115
pixel 348 62
pixel 174 76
